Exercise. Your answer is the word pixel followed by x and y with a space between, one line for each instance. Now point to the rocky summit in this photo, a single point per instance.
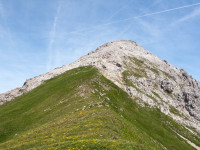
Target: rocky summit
pixel 148 80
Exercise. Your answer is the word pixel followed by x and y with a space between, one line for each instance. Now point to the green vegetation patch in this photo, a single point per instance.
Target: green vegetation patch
pixel 157 95
pixel 136 61
pixel 167 74
pixel 81 109
pixel 125 76
pixel 156 71
pixel 176 112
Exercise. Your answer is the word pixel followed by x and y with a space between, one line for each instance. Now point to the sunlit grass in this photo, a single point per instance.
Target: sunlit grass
pixel 81 109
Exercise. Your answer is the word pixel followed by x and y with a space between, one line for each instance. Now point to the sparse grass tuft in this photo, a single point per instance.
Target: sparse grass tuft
pixel 136 61
pixel 154 70
pixel 167 74
pixel 157 95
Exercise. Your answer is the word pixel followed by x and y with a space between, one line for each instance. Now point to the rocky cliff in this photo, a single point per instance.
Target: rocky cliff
pixel 146 78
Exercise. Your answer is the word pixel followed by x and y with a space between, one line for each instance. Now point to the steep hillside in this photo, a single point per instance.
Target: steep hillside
pixel 81 109
pixel 140 74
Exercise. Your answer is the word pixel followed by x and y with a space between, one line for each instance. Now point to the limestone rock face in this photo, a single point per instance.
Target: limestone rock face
pixel 145 77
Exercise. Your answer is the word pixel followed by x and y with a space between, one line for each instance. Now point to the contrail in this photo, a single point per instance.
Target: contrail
pixel 52 39
pixel 154 13
pixel 120 9
pixel 145 15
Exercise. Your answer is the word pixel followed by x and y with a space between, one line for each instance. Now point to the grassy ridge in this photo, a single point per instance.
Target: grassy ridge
pixel 81 109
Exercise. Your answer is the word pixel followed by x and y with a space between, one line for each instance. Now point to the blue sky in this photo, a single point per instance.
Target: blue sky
pixel 39 35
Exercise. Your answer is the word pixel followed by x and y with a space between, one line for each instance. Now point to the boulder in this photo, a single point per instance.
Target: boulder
pixel 166 86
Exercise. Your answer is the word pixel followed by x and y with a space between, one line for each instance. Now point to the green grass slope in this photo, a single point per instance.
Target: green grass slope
pixel 81 109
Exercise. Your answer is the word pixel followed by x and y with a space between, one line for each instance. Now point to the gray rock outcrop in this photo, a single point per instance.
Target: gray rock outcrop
pixel 166 86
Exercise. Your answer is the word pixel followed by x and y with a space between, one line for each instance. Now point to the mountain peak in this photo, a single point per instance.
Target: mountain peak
pixel 118 45
pixel 139 73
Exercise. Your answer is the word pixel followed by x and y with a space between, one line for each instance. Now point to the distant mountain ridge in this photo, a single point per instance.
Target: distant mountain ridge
pixel 139 73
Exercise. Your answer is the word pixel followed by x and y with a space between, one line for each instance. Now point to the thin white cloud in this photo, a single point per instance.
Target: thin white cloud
pixel 1 10
pixel 5 32
pixel 154 13
pixel 119 10
pixel 135 17
pixel 52 36
pixel 151 30
pixel 156 2
pixel 193 14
